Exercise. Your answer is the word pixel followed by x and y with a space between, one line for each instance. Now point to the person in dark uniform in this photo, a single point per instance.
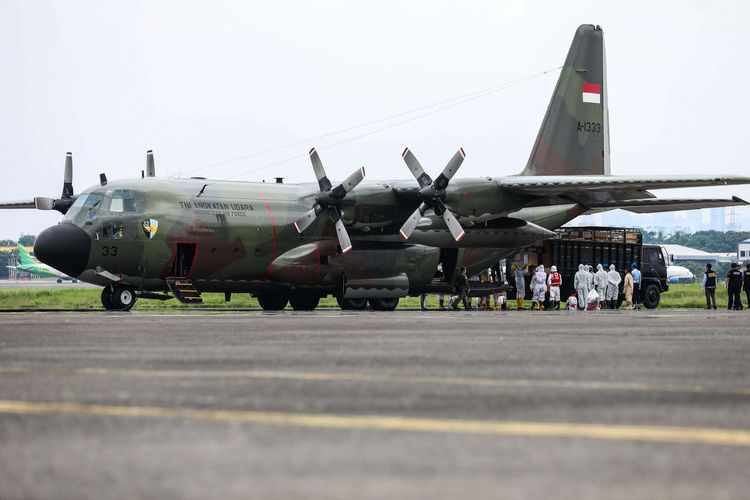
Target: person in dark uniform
pixel 746 283
pixel 709 285
pixel 734 285
pixel 462 290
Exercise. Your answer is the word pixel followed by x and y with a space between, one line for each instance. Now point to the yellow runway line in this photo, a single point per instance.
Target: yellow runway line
pixel 683 435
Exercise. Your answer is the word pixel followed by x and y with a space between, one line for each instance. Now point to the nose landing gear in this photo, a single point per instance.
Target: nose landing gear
pixel 118 297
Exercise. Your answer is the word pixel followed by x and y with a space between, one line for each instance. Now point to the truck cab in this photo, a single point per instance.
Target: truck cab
pixel 654 279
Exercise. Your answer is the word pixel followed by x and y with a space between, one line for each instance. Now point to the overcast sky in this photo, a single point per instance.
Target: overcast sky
pixel 202 83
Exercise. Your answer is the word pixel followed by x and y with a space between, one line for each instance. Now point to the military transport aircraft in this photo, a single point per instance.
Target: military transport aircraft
pixel 362 242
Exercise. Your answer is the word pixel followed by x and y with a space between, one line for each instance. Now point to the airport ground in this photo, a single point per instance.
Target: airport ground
pixel 375 405
pixel 46 295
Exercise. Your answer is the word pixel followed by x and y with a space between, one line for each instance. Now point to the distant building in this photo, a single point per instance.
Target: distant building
pixel 743 250
pixel 718 219
pixel 681 253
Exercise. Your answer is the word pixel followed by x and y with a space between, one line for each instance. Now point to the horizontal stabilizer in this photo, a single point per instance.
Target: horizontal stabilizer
pixel 550 185
pixel 654 205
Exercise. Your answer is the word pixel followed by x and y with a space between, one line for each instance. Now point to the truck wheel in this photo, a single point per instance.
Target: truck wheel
pixel 351 304
pixel 651 296
pixel 304 302
pixel 270 302
pixel 383 304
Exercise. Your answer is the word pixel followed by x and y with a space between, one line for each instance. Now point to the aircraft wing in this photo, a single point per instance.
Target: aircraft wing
pixel 653 205
pixel 554 185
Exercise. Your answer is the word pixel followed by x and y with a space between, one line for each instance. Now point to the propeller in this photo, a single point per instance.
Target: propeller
pixel 67 198
pixel 432 194
pixel 330 199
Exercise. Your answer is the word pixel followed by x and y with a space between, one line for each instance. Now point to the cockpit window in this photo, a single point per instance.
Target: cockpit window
pixel 122 201
pixel 88 201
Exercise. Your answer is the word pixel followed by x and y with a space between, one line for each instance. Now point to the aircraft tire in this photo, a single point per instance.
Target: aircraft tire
pixel 123 298
pixel 383 304
pixel 59 280
pixel 270 302
pixel 351 304
pixel 304 302
pixel 107 298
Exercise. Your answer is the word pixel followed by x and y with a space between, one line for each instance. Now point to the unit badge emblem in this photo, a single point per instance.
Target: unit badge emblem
pixel 150 226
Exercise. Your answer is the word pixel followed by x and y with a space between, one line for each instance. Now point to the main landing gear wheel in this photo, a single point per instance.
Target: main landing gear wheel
pixel 107 298
pixel 383 304
pixel 351 304
pixel 119 298
pixel 270 302
pixel 304 302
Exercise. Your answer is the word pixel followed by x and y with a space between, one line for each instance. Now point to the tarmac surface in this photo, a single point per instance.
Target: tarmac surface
pixel 328 404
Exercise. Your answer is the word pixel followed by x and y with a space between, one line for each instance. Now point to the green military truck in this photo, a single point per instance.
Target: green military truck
pixel 597 245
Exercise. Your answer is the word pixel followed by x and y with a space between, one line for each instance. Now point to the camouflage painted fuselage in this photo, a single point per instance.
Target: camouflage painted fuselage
pixel 245 240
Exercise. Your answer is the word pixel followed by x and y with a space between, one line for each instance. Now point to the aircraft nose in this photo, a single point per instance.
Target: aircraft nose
pixel 66 247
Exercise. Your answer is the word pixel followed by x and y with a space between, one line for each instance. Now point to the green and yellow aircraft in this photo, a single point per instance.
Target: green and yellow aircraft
pixel 29 264
pixel 370 242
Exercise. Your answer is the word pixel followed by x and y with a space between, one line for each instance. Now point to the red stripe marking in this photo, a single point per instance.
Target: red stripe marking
pixel 591 88
pixel 273 227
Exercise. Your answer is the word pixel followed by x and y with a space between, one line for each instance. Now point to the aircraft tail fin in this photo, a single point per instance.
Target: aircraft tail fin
pixel 574 136
pixel 24 257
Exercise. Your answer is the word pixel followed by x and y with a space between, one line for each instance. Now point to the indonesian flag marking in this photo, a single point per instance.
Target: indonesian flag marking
pixel 591 93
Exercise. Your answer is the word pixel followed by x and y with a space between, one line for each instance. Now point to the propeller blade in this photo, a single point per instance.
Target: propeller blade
pixel 416 168
pixel 150 168
pixel 67 191
pixel 354 179
pixel 450 169
pixel 18 204
pixel 306 220
pixel 412 221
pixel 344 241
pixel 320 172
pixel 43 203
pixel 348 184
pixel 453 225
